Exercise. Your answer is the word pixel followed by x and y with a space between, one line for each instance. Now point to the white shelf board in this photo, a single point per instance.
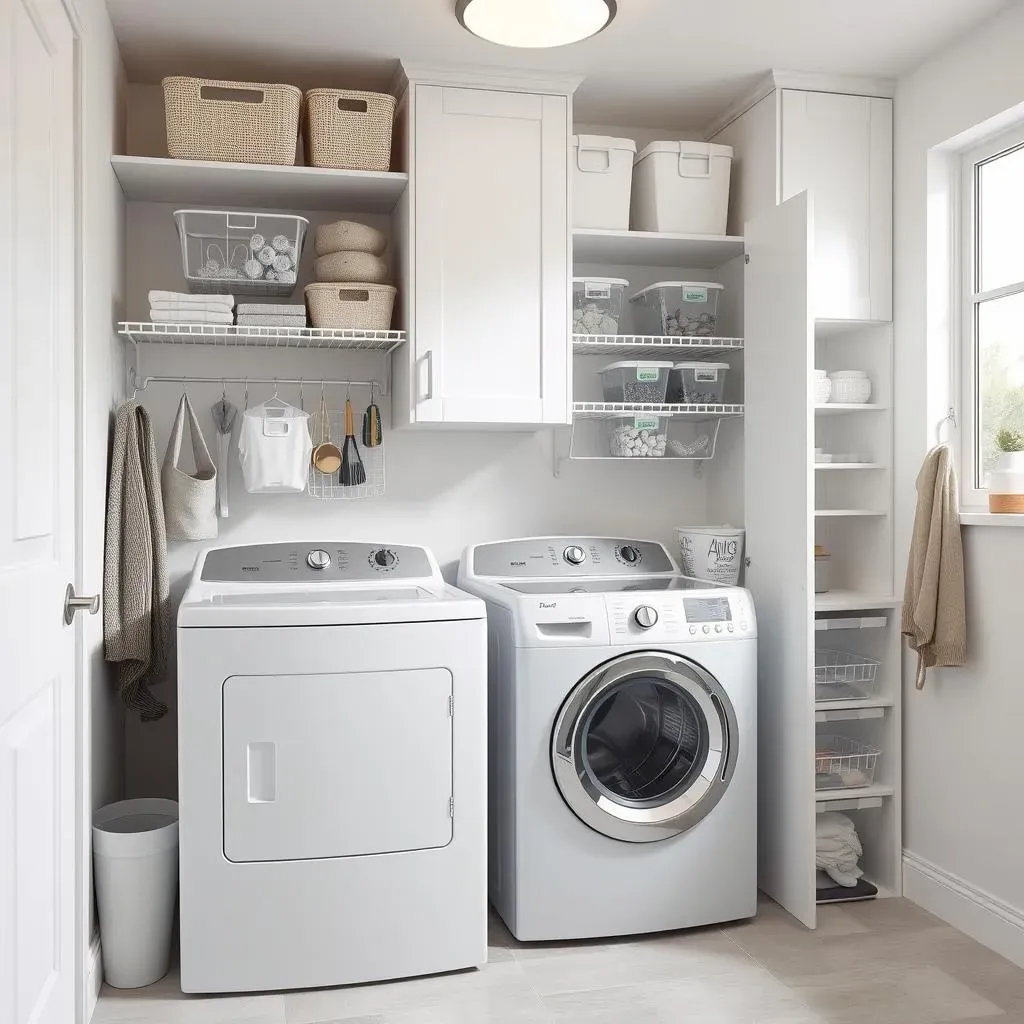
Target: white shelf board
pixel 824 329
pixel 262 186
pixel 845 513
pixel 226 335
pixel 606 410
pixel 853 600
pixel 853 705
pixel 650 346
pixel 853 793
pixel 654 248
pixel 822 467
pixel 836 408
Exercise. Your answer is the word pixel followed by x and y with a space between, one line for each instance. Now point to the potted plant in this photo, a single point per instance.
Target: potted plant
pixel 1006 479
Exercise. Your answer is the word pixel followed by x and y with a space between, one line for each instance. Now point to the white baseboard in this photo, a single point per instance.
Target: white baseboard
pixel 985 918
pixel 93 977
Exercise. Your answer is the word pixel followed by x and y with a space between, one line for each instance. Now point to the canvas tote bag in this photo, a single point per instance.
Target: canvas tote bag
pixel 190 501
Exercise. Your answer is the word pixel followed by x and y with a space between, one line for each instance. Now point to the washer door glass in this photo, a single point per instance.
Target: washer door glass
pixel 645 746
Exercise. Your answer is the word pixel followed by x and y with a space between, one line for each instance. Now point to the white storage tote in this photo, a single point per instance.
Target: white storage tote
pixel 677 308
pixel 681 187
pixel 697 381
pixel 639 381
pixel 601 181
pixel 597 304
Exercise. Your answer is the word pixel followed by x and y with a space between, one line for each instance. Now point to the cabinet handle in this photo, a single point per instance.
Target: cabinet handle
pixel 428 391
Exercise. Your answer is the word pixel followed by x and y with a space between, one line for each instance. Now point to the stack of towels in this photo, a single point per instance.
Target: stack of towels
pixel 262 314
pixel 182 308
pixel 838 848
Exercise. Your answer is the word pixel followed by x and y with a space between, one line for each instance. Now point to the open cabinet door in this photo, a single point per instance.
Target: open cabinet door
pixel 778 436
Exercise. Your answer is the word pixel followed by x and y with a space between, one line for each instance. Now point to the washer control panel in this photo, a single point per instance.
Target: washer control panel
pixel 555 557
pixel 682 615
pixel 315 562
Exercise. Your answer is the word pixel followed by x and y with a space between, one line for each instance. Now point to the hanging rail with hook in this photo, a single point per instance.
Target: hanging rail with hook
pixel 143 382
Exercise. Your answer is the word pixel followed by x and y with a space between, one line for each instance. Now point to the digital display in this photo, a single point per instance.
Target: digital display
pixel 707 609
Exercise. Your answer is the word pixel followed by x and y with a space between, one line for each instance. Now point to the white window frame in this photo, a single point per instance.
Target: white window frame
pixel 972 496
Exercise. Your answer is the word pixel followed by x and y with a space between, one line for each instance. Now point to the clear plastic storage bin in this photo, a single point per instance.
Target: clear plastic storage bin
pixel 597 304
pixel 635 381
pixel 240 253
pixel 697 382
pixel 637 437
pixel 677 308
pixel 842 763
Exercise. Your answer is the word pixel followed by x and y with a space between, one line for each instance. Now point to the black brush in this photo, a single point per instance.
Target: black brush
pixel 352 472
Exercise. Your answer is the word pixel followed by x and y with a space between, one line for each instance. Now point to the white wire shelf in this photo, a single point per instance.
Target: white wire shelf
pixel 649 345
pixel 142 332
pixel 606 410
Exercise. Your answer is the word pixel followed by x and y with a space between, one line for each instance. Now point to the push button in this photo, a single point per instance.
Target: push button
pixel 718 629
pixel 693 631
pixel 730 627
pixel 707 629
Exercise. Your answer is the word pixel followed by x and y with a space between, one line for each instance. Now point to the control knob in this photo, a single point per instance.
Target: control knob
pixel 645 616
pixel 575 555
pixel 318 559
pixel 629 554
pixel 384 558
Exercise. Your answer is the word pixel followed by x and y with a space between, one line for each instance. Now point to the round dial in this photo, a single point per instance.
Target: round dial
pixel 629 554
pixel 645 616
pixel 574 555
pixel 318 559
pixel 384 558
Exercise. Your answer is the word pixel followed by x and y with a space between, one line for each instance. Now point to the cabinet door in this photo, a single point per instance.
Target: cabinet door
pixel 778 438
pixel 491 316
pixel 839 148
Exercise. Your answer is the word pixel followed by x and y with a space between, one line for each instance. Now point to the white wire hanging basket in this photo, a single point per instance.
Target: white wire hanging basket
pixel 328 486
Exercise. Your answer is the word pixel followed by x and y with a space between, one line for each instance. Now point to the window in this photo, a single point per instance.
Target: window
pixel 993 303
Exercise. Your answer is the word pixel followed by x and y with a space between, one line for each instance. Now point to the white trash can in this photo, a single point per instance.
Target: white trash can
pixel 712 553
pixel 135 865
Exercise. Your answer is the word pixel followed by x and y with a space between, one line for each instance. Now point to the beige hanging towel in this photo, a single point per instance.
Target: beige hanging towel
pixel 934 604
pixel 136 592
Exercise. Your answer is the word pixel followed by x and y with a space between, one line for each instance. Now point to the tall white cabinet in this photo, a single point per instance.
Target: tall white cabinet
pixel 486 277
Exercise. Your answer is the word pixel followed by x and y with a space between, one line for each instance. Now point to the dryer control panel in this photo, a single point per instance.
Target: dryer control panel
pixel 316 562
pixel 570 557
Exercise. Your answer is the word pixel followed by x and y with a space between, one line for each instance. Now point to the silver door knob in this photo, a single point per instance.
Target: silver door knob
pixel 645 616
pixel 73 604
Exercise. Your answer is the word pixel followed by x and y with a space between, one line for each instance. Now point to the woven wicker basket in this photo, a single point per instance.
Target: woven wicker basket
pixel 361 267
pixel 237 122
pixel 348 236
pixel 348 129
pixel 351 307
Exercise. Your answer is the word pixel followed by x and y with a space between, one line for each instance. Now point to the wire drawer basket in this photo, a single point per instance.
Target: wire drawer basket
pixel 842 763
pixel 328 486
pixel 839 675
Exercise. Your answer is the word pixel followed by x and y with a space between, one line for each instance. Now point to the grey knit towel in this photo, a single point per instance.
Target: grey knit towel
pixel 136 590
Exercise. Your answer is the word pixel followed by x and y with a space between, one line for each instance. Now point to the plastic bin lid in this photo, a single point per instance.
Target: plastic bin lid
pixel 135 828
pixel 633 364
pixel 603 142
pixel 696 364
pixel 601 280
pixel 707 149
pixel 675 284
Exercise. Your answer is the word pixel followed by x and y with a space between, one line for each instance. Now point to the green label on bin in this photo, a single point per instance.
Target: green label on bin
pixel 695 295
pixel 648 373
pixel 645 422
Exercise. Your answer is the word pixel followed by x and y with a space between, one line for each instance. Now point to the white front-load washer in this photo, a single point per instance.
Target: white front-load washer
pixel 622 739
pixel 331 764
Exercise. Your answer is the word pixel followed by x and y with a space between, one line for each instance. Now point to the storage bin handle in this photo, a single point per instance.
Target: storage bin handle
pixel 353 295
pixel 704 171
pixel 241 220
pixel 605 151
pixel 352 106
pixel 228 93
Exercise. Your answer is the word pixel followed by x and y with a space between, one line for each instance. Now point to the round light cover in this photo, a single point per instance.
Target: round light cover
pixel 535 23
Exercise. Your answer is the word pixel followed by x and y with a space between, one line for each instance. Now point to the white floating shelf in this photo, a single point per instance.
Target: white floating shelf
pixel 141 332
pixel 828 796
pixel 835 408
pixel 822 467
pixel 853 600
pixel 654 248
pixel 853 622
pixel 845 513
pixel 263 186
pixel 606 410
pixel 646 345
pixel 837 708
pixel 825 329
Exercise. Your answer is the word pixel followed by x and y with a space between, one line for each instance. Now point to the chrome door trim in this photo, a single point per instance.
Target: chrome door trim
pixel 634 823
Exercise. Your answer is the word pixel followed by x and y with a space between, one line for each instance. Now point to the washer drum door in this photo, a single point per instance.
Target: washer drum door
pixel 645 746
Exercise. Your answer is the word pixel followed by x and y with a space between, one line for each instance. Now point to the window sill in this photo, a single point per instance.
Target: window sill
pixel 991 519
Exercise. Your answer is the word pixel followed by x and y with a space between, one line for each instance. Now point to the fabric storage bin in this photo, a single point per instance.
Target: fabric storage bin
pixel 351 266
pixel 697 382
pixel 635 381
pixel 842 763
pixel 637 437
pixel 597 304
pixel 349 129
pixel 677 308
pixel 237 122
pixel 681 187
pixel 850 387
pixel 351 307
pixel 348 236
pixel 240 253
pixel 602 178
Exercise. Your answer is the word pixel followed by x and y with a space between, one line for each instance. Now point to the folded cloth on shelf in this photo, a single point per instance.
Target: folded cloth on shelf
pixel 190 307
pixel 838 848
pixel 252 320
pixel 272 308
pixel 156 295
pixel 190 316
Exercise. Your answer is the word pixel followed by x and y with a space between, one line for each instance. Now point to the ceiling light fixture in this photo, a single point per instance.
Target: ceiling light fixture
pixel 535 23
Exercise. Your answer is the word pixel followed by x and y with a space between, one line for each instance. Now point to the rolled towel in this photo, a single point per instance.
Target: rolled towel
pixel 156 295
pixel 199 316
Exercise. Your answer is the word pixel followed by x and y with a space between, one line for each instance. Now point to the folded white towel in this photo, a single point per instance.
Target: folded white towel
pixel 156 296
pixel 272 308
pixel 190 307
pixel 834 825
pixel 251 320
pixel 197 316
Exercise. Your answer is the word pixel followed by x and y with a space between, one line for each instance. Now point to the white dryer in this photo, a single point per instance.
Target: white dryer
pixel 331 758
pixel 622 739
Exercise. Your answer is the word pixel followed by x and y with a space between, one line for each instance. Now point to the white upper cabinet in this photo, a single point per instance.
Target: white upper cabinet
pixel 839 149
pixel 488 306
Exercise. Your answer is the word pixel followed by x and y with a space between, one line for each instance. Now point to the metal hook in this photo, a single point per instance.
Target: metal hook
pixel 246 406
pixel 224 389
pixel 950 418
pixel 302 401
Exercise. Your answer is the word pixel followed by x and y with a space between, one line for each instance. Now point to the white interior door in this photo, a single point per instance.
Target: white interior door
pixel 779 432
pixel 37 503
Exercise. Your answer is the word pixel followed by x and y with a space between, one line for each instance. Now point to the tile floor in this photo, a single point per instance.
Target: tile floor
pixel 884 962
